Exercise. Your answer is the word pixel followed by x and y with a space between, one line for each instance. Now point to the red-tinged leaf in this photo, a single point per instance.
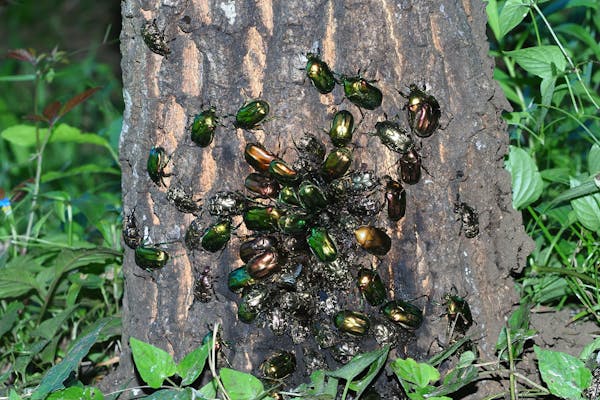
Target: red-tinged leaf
pixel 22 55
pixel 35 117
pixel 80 98
pixel 51 112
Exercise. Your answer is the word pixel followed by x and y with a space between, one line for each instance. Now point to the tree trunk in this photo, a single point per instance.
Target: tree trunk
pixel 223 52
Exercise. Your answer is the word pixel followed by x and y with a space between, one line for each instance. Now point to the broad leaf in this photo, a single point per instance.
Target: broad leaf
pixel 77 393
pixel 543 61
pixel 511 15
pixel 418 374
pixel 172 394
pixel 358 364
pixel 239 385
pixel 493 18
pixel 153 364
pixel 518 330
pixel 360 385
pixel 587 208
pixel 192 365
pixel 526 180
pixel 566 376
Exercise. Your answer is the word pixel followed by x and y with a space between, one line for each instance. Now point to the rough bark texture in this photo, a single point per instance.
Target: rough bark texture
pixel 226 51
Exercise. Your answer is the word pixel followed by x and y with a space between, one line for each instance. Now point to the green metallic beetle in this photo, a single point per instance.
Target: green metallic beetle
pixel 251 114
pixel 403 313
pixel 311 197
pixel 319 74
pixel 253 299
pixel 342 128
pixel 370 285
pixel 263 219
pixel 150 257
pixel 157 162
pixel 279 365
pixel 294 223
pixel 337 163
pixel 322 245
pixel 360 92
pixel 204 126
pixel 288 196
pixel 352 322
pixel 239 278
pixel 216 236
pixel 373 240
pixel 245 313
pixel 458 313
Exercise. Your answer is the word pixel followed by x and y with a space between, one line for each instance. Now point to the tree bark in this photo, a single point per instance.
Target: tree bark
pixel 226 51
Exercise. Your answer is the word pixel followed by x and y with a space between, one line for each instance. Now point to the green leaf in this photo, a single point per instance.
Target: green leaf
pixel 518 328
pixel 547 87
pixel 511 15
pixel 77 393
pixel 462 375
pixel 55 377
pixel 319 387
pixel 239 385
pixel 209 390
pixel 13 395
pixel 542 61
pixel 24 135
pixel 10 316
pixel 192 365
pixel 27 354
pixel 589 350
pixel 153 364
pixel 557 175
pixel 448 351
pixel 418 374
pixel 493 21
pixel 594 159
pixel 19 277
pixel 72 393
pixel 49 327
pixel 360 385
pixel 566 376
pixel 358 364
pixel 587 208
pixel 526 180
pixel 172 394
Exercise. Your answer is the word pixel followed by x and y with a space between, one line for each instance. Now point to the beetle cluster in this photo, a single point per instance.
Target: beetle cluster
pixel 312 223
